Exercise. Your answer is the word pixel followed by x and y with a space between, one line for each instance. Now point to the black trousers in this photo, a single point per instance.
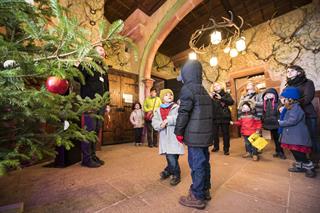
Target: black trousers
pixel 225 134
pixel 152 135
pixel 138 135
pixel 275 136
pixel 300 156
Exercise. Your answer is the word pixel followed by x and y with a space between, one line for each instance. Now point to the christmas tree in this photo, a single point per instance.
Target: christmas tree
pixel 38 41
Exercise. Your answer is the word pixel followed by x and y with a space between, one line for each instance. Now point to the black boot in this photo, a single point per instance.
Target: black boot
pixel 175 180
pixel 215 149
pixel 164 175
pixel 207 195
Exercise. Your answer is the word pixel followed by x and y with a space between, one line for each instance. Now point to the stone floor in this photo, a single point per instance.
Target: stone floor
pixel 129 182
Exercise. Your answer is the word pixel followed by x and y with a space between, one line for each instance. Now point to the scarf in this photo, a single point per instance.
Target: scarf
pixel 297 81
pixel 165 109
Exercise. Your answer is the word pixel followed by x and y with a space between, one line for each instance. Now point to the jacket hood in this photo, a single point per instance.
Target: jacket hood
pixel 273 91
pixel 192 72
pixel 249 102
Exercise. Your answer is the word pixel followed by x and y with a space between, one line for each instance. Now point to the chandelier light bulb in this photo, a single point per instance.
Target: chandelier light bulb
pixel 192 56
pixel 241 44
pixel 213 61
pixel 233 52
pixel 216 37
pixel 226 50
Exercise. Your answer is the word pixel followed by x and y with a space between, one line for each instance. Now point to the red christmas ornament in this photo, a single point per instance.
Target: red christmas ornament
pixel 57 85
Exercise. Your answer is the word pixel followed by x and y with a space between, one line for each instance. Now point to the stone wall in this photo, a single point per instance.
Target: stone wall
pixel 294 38
pixel 89 15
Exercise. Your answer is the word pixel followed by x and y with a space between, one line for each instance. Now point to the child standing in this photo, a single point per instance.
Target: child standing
pixel 137 120
pixel 270 118
pixel 194 128
pixel 164 122
pixel 249 124
pixel 295 135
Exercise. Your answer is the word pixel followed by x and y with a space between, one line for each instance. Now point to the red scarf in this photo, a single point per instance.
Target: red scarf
pixel 165 112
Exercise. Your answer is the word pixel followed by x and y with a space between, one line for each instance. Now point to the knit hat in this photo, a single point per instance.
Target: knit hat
pixel 163 92
pixel 291 92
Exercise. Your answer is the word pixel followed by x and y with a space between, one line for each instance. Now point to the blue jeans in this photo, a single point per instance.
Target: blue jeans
pixel 199 162
pixel 249 148
pixel 312 127
pixel 173 167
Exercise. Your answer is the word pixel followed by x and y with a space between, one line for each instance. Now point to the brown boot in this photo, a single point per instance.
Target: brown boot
pixel 192 201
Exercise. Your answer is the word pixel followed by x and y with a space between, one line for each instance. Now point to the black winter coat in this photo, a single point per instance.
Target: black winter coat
pixel 221 111
pixel 270 111
pixel 307 91
pixel 194 120
pixel 98 83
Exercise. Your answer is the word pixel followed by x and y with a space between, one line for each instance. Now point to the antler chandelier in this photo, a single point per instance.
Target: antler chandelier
pixel 232 44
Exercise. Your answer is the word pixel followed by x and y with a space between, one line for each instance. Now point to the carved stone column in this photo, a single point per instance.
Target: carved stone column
pixel 148 83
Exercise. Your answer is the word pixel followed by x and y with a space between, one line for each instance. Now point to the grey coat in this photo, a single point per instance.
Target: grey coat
pixel 168 143
pixel 295 131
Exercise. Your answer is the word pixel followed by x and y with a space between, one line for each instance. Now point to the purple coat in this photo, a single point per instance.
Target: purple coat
pixel 295 131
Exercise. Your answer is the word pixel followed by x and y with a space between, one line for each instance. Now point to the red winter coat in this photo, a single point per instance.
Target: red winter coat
pixel 249 124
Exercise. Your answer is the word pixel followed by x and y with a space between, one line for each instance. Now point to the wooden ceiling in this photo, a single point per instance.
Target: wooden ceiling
pixel 121 9
pixel 254 12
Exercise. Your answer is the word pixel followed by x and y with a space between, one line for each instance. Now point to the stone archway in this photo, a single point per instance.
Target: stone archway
pixel 173 16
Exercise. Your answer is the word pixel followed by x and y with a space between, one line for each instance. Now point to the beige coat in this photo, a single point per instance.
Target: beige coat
pixel 137 118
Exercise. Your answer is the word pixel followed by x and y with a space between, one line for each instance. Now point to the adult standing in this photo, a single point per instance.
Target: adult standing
pixel 221 116
pixel 296 77
pixel 97 83
pixel 194 128
pixel 150 105
pixel 253 95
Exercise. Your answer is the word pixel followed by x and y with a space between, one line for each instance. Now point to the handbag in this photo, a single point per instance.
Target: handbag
pixel 149 115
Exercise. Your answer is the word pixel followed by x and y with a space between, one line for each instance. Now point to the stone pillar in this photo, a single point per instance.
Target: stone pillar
pixel 148 83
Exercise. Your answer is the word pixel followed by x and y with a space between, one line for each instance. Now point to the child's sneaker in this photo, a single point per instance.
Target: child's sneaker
pixel 310 173
pixel 296 167
pixel 175 180
pixel 255 157
pixel 164 175
pixel 309 169
pixel 247 155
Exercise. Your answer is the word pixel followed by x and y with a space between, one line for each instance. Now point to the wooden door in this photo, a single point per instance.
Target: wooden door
pixel 117 127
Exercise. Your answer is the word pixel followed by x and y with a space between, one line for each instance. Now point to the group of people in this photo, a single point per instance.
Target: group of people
pixel 196 121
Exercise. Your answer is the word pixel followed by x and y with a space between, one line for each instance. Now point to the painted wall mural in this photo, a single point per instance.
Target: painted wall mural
pixel 293 38
pixel 89 15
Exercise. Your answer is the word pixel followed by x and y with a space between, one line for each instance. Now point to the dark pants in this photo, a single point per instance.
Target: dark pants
pixel 225 134
pixel 151 134
pixel 300 156
pixel 138 135
pixel 249 148
pixel 312 127
pixel 173 167
pixel 198 158
pixel 90 123
pixel 275 136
